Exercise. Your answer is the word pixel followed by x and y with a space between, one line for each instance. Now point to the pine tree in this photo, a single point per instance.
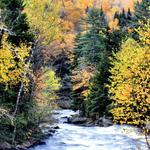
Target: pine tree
pixel 97 100
pixel 91 43
pixel 142 11
pixel 15 21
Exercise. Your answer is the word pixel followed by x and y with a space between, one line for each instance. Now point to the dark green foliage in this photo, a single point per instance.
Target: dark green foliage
pixel 124 18
pixel 142 11
pixel 91 43
pixel 15 21
pixel 78 101
pixel 77 51
pixel 114 40
pixel 97 101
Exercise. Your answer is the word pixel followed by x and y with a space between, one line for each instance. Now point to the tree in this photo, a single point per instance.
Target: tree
pixel 88 47
pixel 47 83
pixel 43 19
pixel 111 7
pixel 142 10
pixel 97 100
pixel 15 73
pixel 129 87
pixel 92 42
pixel 14 67
pixel 15 21
pixel 142 13
pixel 11 71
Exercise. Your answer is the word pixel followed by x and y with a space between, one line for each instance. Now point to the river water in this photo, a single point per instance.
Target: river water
pixel 73 137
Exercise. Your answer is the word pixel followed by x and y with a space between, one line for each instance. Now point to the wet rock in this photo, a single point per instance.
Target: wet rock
pixel 24 146
pixel 51 131
pixel 30 144
pixel 64 103
pixel 104 122
pixel 50 119
pixel 48 129
pixel 5 146
pixel 56 127
pixel 65 117
pixel 39 142
pixel 77 120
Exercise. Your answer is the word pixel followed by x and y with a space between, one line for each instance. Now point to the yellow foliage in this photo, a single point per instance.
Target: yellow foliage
pixel 113 24
pixel 130 88
pixel 43 18
pixel 12 62
pixel 46 85
pixel 81 79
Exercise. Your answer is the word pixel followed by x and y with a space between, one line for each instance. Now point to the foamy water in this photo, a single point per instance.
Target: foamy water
pixel 73 137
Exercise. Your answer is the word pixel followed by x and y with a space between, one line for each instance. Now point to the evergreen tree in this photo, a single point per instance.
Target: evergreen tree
pixel 97 100
pixel 91 43
pixel 142 11
pixel 15 21
pixel 114 39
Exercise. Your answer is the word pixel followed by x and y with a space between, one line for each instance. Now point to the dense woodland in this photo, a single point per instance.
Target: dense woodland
pixel 94 54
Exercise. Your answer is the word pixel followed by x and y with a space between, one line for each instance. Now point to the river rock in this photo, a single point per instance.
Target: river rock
pixel 64 103
pixel 104 122
pixel 48 129
pixel 56 127
pixel 5 146
pixel 39 142
pixel 30 144
pixel 77 120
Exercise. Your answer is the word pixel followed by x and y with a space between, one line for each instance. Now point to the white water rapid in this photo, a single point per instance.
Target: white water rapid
pixel 74 137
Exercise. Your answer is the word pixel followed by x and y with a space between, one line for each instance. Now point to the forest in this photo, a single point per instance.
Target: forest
pixel 85 56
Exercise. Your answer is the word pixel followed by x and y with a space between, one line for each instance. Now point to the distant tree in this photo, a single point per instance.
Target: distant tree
pixel 92 42
pixel 142 10
pixel 43 19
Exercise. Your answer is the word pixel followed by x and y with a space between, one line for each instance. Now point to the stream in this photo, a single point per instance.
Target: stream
pixel 74 137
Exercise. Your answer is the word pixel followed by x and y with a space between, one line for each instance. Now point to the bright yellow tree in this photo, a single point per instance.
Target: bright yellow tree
pixel 12 62
pixel 130 88
pixel 43 18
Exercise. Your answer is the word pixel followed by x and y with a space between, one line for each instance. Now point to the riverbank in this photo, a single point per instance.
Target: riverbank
pixel 43 132
pixel 47 130
pixel 69 136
